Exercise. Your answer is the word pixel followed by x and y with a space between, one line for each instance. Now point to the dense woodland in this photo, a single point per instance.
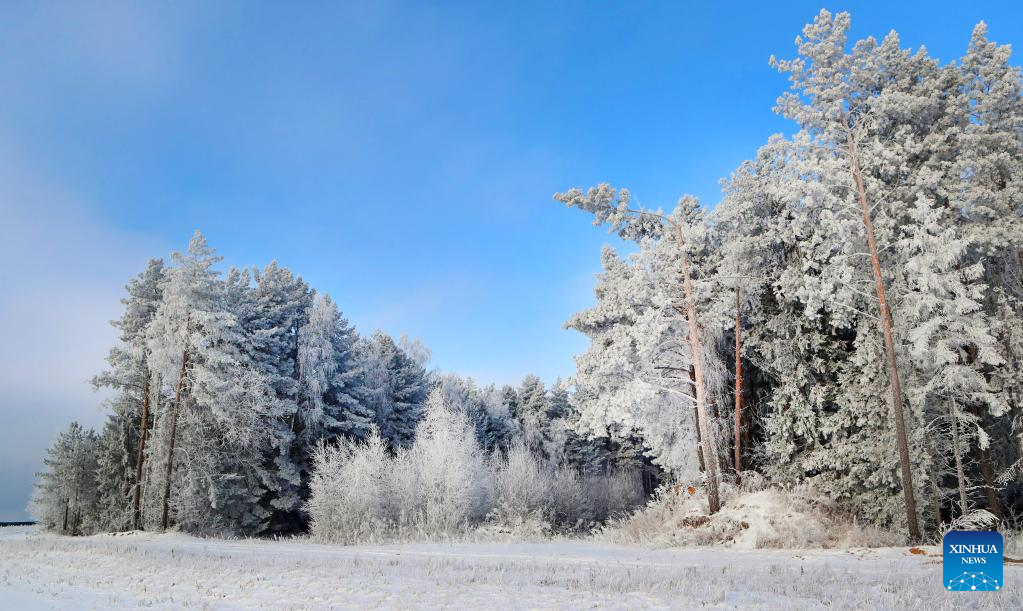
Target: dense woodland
pixel 849 316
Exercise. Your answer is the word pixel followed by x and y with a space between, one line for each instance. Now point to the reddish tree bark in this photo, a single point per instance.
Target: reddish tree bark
pixel 889 345
pixel 709 449
pixel 175 409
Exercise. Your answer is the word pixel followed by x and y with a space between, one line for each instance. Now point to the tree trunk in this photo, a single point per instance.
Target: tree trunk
pixel 143 430
pixel 936 499
pixel 1010 357
pixel 987 471
pixel 696 419
pixel 957 450
pixel 738 383
pixel 889 345
pixel 710 460
pixel 175 409
pixel 67 507
pixel 78 514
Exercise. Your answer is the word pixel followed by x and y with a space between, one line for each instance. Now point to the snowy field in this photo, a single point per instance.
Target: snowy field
pixel 41 571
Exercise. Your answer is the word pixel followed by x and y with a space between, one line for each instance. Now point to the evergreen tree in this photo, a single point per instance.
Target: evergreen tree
pixel 394 385
pixel 123 442
pixel 65 495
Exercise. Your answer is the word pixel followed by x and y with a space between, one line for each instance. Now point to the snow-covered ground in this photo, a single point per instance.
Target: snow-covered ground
pixel 41 571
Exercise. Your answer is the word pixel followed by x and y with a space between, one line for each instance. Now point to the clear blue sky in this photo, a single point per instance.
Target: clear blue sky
pixel 400 156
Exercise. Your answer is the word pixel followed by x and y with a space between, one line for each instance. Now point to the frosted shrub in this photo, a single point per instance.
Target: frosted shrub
pixel 522 488
pixel 625 492
pixel 445 484
pixel 571 506
pixel 349 490
pixel 614 494
pixel 442 482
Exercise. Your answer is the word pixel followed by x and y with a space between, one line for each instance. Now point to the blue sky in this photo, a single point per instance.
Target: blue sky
pixel 400 156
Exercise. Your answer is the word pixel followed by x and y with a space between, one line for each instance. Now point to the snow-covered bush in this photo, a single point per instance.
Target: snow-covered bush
pixel 615 494
pixel 445 485
pixel 348 502
pixel 435 488
pixel 1013 543
pixel 442 482
pixel 522 487
pixel 570 504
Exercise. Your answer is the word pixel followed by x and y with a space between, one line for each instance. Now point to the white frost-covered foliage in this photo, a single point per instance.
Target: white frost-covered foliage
pixel 636 373
pixel 936 152
pixel 239 378
pixel 394 385
pixel 440 484
pixel 436 487
pixel 348 503
pixel 235 379
pixel 445 485
pixel 65 497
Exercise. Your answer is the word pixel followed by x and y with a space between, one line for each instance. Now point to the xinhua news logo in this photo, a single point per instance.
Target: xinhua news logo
pixel 972 561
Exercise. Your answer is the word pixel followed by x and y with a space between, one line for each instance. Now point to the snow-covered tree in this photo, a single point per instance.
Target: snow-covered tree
pixel 221 406
pixel 659 356
pixel 123 441
pixel 65 495
pixel 394 385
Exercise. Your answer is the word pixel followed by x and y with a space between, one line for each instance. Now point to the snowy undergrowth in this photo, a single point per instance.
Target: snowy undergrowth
pixel 754 515
pixel 446 487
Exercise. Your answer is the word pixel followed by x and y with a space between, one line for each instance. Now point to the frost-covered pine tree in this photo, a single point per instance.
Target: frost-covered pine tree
pixel 214 431
pixel 65 495
pixel 532 413
pixel 122 449
pixel 280 304
pixel 394 385
pixel 652 351
pixel 327 375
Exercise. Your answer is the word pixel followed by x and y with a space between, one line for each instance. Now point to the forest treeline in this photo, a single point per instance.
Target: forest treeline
pixel 225 386
pixel 849 316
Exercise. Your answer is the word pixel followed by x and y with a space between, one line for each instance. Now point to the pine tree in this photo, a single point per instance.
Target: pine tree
pixel 679 237
pixel 65 496
pixel 123 443
pixel 394 385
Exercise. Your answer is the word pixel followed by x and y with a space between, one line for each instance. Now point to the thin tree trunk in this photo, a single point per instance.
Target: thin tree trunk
pixel 889 344
pixel 709 450
pixel 696 419
pixel 175 409
pixel 1010 356
pixel 78 514
pixel 67 507
pixel 143 430
pixel 958 452
pixel 936 499
pixel 987 471
pixel 738 383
